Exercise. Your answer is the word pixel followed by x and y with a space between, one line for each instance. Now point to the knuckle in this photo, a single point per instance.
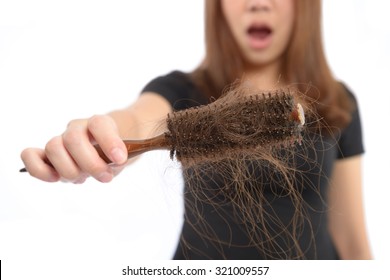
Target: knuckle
pixel 53 145
pixel 96 121
pixel 75 122
pixel 71 137
pixel 99 122
pixel 25 154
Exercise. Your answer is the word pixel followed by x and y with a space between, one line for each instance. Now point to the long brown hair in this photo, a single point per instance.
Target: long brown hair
pixel 242 181
pixel 303 62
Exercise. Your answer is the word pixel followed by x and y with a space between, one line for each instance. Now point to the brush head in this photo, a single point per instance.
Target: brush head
pixel 236 123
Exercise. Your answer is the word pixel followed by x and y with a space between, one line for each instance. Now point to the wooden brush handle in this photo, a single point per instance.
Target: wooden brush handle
pixel 137 147
pixel 134 148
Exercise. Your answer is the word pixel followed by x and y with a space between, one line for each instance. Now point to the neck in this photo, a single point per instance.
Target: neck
pixel 264 77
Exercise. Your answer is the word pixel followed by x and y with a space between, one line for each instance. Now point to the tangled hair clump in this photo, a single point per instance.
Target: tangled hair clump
pixel 245 154
pixel 242 121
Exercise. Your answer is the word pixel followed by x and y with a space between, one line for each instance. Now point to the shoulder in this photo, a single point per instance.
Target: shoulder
pixel 178 88
pixel 351 137
pixel 175 80
pixel 350 94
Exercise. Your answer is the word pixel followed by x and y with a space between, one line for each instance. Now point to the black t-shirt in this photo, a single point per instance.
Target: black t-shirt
pixel 229 238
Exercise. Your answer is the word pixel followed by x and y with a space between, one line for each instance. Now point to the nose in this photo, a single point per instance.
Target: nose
pixel 258 5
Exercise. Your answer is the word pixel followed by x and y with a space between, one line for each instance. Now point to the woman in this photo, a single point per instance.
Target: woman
pixel 271 43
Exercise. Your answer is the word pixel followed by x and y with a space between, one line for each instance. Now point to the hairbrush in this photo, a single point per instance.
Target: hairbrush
pixel 240 120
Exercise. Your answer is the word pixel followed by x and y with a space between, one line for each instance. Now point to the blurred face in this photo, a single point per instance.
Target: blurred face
pixel 261 28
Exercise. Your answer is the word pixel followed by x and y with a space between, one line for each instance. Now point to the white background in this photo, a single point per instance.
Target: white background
pixel 61 60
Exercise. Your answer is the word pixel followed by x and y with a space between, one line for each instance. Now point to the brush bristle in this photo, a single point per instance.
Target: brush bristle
pixel 235 123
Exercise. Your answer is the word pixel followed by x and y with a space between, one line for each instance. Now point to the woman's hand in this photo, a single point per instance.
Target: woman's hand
pixel 72 157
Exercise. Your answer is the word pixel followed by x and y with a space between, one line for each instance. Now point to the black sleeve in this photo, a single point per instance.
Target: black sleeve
pixel 178 89
pixel 351 139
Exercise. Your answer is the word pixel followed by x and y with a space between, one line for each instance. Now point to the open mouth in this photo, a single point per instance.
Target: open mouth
pixel 259 32
pixel 260 36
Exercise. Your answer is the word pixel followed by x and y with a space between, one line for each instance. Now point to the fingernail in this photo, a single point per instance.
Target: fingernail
pixel 81 180
pixel 118 155
pixel 105 177
pixel 53 178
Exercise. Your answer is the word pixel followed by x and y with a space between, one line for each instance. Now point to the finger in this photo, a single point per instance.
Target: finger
pixel 105 132
pixel 82 152
pixel 82 179
pixel 61 160
pixel 37 164
pixel 116 169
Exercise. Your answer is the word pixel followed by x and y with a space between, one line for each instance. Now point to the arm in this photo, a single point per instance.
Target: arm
pixel 346 216
pixel 72 153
